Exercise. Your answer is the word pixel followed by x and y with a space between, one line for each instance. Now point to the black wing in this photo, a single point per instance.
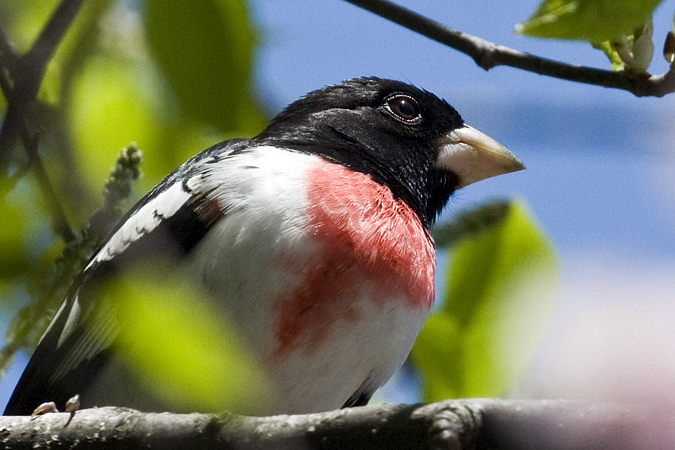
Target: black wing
pixel 170 220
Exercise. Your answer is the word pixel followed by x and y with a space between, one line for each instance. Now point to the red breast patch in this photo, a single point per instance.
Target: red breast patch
pixel 371 245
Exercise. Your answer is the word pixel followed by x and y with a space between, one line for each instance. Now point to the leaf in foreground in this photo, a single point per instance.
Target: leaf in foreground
pixel 587 20
pixel 176 341
pixel 501 290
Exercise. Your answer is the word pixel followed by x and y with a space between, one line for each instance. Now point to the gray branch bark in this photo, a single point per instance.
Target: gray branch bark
pixel 454 424
pixel 488 54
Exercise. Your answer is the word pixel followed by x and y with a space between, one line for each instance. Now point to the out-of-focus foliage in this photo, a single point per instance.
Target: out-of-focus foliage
pixel 622 29
pixel 173 76
pixel 214 55
pixel 12 240
pixel 501 289
pixel 26 327
pixel 165 316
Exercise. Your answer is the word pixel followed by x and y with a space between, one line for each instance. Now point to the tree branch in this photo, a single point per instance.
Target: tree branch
pixel 488 54
pixel 8 59
pixel 26 72
pixel 453 424
pixel 30 69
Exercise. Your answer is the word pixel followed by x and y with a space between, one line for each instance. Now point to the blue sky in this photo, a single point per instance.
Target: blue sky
pixel 600 178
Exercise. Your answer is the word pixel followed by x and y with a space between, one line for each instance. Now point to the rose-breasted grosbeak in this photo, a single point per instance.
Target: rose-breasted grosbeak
pixel 312 237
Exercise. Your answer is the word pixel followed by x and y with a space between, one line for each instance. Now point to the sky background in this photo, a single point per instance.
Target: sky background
pixel 600 178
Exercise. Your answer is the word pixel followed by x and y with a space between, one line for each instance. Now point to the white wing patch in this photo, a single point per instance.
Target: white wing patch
pixel 143 221
pixel 71 323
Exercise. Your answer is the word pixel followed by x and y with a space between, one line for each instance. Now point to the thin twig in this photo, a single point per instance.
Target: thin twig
pixel 30 70
pixel 59 219
pixel 488 54
pixel 8 59
pixel 52 34
pixel 27 72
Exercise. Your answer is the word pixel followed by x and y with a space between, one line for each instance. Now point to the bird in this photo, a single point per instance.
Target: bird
pixel 312 238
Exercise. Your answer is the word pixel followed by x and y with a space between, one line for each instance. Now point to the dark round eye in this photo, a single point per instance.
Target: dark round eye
pixel 404 108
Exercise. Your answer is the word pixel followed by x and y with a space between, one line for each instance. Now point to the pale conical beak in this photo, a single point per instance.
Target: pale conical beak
pixel 474 156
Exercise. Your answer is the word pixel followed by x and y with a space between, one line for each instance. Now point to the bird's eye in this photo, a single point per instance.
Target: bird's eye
pixel 404 108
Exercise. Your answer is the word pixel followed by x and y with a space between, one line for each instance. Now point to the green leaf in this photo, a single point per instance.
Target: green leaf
pixel 164 316
pixel 114 102
pixel 206 49
pixel 439 357
pixel 501 291
pixel 587 20
pixel 12 239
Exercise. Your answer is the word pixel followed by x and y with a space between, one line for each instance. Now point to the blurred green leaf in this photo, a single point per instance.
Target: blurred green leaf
pixel 12 240
pixel 501 292
pixel 53 272
pixel 181 346
pixel 205 48
pixel 25 20
pixel 113 105
pixel 439 356
pixel 587 20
